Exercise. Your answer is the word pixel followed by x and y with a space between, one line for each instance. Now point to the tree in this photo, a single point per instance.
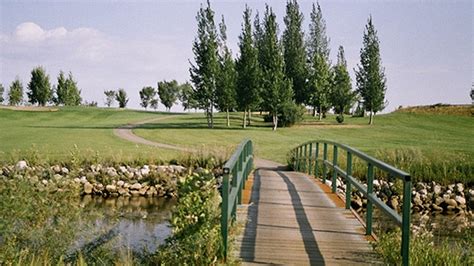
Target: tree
pixel 370 76
pixel 205 69
pixel 185 96
pixel 342 96
pixel 247 68
pixel 15 95
pixel 294 51
pixel 110 97
pixel 154 103
pixel 147 94
pixel 121 98
pixel 276 89
pixel 2 90
pixel 168 92
pixel 226 79
pixel 67 92
pixel 319 64
pixel 39 88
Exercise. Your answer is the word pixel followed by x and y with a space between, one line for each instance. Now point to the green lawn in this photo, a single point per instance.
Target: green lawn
pixel 54 134
pixel 438 135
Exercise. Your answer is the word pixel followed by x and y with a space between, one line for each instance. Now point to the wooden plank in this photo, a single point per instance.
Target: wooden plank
pixel 291 220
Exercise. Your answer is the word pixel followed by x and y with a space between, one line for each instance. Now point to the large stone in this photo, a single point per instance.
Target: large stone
pixel 143 190
pixel 178 168
pixel 438 200
pixel 461 200
pixel 135 193
pixel 120 183
pixel 56 169
pixel 437 189
pixel 136 186
pixel 88 188
pixel 21 165
pixel 64 170
pixel 111 188
pixel 123 169
pixel 151 191
pixel 111 172
pixel 145 171
pixel 459 187
pixel 451 202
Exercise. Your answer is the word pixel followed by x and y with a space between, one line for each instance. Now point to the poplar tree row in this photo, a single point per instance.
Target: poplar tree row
pixel 274 75
pixel 39 90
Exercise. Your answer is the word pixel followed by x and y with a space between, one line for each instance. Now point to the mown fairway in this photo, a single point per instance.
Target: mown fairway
pixel 434 135
pixel 53 134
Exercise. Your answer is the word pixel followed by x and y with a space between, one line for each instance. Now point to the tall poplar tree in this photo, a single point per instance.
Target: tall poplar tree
pixel 342 96
pixel 39 88
pixel 15 95
pixel 276 88
pixel 226 80
pixel 370 76
pixel 319 64
pixel 205 69
pixel 2 90
pixel 147 94
pixel 294 51
pixel 247 67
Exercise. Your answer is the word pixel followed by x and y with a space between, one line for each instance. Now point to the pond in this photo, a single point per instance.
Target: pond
pixel 136 224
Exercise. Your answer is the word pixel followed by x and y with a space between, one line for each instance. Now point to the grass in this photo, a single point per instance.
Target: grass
pixel 55 134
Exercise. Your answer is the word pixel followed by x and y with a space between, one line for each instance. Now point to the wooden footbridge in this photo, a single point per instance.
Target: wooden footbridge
pixel 291 218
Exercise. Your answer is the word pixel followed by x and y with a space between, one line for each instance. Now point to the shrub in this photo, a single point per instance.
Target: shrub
pixel 340 118
pixel 289 115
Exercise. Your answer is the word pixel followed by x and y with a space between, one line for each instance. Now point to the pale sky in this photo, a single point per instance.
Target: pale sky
pixel 426 46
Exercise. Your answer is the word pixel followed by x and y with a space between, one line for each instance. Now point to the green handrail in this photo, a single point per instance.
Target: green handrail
pixel 236 172
pixel 304 163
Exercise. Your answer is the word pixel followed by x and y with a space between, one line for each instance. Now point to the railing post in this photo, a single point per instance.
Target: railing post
pixel 334 172
pixel 242 173
pixel 310 159
pixel 325 157
pixel 348 183
pixel 305 159
pixel 406 212
pixel 370 183
pixel 300 158
pixel 225 210
pixel 316 158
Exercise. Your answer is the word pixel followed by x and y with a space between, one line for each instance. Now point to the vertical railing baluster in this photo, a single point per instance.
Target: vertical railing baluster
pixel 348 183
pixel 370 183
pixel 225 210
pixel 406 220
pixel 325 157
pixel 316 158
pixel 305 159
pixel 334 171
pixel 310 159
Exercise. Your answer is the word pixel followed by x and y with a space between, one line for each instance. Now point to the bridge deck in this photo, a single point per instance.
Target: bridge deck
pixel 292 220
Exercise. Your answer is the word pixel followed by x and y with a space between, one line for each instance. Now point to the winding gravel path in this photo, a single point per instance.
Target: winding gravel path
pixel 126 132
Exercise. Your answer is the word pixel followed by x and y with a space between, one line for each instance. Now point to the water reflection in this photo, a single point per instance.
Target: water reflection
pixel 139 224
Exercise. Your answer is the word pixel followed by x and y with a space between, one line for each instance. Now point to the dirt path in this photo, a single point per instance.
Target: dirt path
pixel 126 132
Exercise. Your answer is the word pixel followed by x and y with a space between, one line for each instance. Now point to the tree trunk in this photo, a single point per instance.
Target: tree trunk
pixel 314 111
pixel 208 118
pixel 228 119
pixel 371 118
pixel 244 120
pixel 212 117
pixel 275 122
pixel 320 113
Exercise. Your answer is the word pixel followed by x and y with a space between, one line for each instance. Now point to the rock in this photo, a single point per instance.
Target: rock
pixel 423 191
pixel 83 179
pixel 471 193
pixel 417 200
pixel 123 169
pixel 436 208
pixel 21 165
pixel 57 177
pixel 451 202
pixel 56 169
pixel 143 190
pixel 394 203
pixel 112 172
pixel 122 191
pixel 120 183
pixel 77 180
pixel 151 192
pixel 145 171
pixel 44 181
pixel 161 169
pixel 88 188
pixel 178 168
pixel 438 200
pixel 130 174
pixel 111 188
pixel 136 186
pixel 135 193
pixel 64 170
pixel 461 200
pixel 459 187
pixel 437 189
pixel 356 203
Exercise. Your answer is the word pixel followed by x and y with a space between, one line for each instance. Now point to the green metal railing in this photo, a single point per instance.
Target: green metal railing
pixel 236 172
pixel 307 161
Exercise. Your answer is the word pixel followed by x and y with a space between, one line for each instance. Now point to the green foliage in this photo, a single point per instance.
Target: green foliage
pixel 289 114
pixel 196 238
pixel 39 88
pixel 342 97
pixel 121 98
pixel 317 42
pixel 247 90
pixel 423 251
pixel 277 89
pixel 168 92
pixel 110 97
pixel 67 92
pixel 205 69
pixel 226 79
pixel 294 51
pixel 185 96
pixel 15 95
pixel 370 76
pixel 147 94
pixel 2 90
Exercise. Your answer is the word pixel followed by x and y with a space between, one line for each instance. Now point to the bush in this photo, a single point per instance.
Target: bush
pixel 340 118
pixel 289 115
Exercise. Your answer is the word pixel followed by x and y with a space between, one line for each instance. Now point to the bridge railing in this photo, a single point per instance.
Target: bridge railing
pixel 305 160
pixel 236 172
